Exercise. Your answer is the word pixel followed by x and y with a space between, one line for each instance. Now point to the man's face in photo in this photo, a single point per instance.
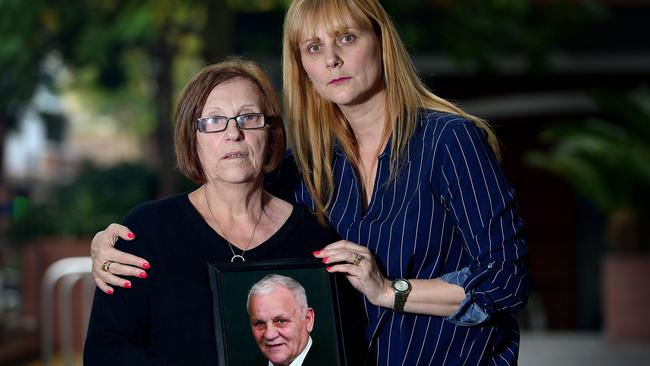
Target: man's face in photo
pixel 280 325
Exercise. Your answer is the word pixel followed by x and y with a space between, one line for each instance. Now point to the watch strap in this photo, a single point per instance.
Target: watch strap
pixel 400 296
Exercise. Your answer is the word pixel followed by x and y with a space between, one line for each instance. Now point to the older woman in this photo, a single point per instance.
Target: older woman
pixel 228 133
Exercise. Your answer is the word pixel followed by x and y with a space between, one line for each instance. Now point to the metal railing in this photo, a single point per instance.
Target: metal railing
pixel 67 272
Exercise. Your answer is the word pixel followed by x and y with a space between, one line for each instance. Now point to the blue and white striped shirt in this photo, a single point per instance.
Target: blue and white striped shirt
pixel 451 213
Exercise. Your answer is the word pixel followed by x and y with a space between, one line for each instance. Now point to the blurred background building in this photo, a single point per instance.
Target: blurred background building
pixel 87 90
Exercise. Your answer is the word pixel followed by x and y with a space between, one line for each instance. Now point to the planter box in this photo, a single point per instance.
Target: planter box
pixel 626 297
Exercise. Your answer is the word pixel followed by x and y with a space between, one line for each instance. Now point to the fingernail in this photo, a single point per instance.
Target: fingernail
pixel 127 284
pixel 146 265
pixel 328 268
pixel 316 252
pixel 325 260
pixel 110 291
pixel 130 235
pixel 142 274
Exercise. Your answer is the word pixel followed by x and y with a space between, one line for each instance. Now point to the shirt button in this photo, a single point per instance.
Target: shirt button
pixel 490 265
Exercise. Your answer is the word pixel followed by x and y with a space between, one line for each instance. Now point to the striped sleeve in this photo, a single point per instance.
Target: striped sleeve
pixel 474 190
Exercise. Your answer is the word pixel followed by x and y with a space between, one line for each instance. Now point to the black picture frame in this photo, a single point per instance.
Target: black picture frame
pixel 230 283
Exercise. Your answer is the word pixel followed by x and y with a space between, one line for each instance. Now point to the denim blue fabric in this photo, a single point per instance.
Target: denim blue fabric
pixel 469 313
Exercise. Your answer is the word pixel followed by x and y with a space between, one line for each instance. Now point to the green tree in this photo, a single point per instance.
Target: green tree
pixel 23 42
pixel 102 36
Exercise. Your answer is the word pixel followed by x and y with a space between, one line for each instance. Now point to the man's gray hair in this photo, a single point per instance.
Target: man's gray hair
pixel 270 282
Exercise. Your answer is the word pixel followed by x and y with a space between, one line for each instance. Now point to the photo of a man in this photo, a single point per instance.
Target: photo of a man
pixel 281 320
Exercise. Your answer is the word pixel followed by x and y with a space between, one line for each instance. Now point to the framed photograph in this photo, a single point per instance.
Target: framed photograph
pixel 254 340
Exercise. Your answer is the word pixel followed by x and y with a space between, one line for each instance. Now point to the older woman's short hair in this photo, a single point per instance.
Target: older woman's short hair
pixel 191 103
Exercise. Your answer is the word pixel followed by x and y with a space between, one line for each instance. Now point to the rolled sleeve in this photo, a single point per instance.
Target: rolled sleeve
pixel 469 313
pixel 484 209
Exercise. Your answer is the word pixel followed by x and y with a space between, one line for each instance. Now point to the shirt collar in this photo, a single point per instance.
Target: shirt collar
pixel 301 357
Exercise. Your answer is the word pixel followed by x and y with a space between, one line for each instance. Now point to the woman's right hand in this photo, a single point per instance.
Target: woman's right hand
pixel 124 264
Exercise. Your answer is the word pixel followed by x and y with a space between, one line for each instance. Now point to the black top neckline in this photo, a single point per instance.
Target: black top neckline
pixel 212 237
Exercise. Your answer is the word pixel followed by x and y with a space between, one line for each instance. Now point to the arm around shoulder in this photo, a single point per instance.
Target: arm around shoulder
pixel 119 327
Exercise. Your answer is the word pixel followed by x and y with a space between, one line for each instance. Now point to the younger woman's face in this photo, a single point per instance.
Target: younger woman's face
pixel 345 68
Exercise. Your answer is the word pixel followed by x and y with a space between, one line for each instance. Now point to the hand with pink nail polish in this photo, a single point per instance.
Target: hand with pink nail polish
pixel 122 264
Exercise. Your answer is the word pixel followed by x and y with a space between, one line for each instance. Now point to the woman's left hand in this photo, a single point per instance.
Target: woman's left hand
pixel 360 268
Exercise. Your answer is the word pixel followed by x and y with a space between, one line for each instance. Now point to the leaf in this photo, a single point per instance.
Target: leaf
pixel 606 161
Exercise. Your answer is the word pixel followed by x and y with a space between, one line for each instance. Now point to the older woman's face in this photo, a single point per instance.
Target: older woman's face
pixel 233 155
pixel 344 68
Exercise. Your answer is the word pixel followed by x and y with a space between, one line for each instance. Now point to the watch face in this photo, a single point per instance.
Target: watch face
pixel 401 285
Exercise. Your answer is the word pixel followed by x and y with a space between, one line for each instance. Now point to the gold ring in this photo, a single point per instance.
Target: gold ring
pixel 107 266
pixel 357 258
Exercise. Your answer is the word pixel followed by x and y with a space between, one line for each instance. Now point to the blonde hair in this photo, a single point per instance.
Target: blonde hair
pixel 191 103
pixel 314 123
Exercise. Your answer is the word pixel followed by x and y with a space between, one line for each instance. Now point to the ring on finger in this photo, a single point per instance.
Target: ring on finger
pixel 357 258
pixel 106 267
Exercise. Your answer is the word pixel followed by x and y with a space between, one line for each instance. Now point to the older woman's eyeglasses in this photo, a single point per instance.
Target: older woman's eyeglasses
pixel 248 121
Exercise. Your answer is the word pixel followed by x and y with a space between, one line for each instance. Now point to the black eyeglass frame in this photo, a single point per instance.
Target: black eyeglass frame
pixel 237 122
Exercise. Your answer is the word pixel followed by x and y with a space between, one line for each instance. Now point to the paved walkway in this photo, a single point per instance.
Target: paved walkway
pixel 577 349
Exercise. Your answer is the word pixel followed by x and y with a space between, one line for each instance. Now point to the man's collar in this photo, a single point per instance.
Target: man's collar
pixel 301 357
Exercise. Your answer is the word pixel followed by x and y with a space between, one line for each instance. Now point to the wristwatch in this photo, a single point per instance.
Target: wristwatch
pixel 402 288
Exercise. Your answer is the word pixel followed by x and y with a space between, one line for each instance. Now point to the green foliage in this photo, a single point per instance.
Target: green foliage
pixel 102 34
pixel 97 197
pixel 87 34
pixel 129 105
pixel 23 38
pixel 258 5
pixel 478 32
pixel 606 161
